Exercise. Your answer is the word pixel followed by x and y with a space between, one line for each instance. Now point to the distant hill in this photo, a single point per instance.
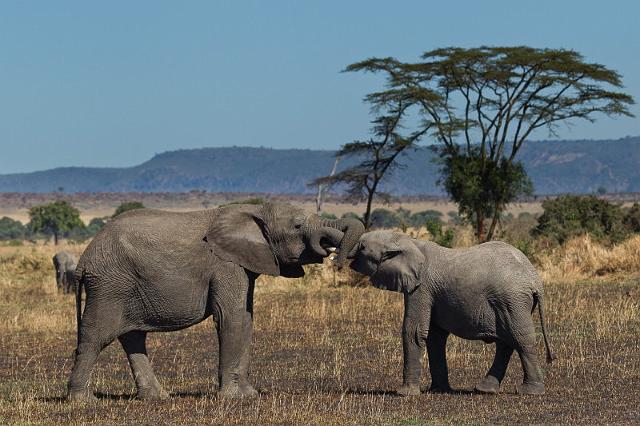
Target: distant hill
pixel 554 166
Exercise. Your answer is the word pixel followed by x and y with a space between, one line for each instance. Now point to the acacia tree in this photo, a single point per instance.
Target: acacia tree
pixel 54 218
pixel 483 103
pixel 378 154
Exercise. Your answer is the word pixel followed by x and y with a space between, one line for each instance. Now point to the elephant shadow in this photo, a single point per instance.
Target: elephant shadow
pixel 212 394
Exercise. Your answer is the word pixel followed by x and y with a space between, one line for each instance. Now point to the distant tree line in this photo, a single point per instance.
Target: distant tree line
pixel 57 220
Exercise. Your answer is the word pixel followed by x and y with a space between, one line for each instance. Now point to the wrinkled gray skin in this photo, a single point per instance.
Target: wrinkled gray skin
pixel 150 270
pixel 65 264
pixel 487 292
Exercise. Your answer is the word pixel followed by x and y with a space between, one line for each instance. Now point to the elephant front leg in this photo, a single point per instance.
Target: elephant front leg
pixel 414 330
pixel 234 335
pixel 235 331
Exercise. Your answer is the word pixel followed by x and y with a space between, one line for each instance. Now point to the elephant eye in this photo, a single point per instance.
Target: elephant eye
pixel 298 226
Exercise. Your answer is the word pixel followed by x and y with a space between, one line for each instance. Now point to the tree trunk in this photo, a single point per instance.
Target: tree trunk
pixel 55 238
pixel 323 188
pixel 367 212
pixel 494 223
pixel 480 225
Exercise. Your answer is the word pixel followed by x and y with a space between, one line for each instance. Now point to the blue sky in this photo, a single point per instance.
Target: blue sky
pixel 113 83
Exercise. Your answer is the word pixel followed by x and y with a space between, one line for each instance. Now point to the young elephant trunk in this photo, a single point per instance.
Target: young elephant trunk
pixel 351 229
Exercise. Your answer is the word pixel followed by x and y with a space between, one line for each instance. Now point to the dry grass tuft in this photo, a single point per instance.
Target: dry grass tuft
pixel 582 258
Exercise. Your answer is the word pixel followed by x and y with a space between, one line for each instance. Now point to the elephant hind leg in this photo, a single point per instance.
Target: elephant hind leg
pixel 147 385
pixel 525 345
pixel 98 329
pixel 491 382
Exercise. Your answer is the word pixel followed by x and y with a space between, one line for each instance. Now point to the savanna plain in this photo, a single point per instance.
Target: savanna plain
pixel 327 350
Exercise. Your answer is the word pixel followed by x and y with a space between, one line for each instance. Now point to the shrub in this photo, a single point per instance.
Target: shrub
pixel 632 218
pixel 11 229
pixel 446 238
pixel 527 247
pixel 383 218
pixel 570 216
pixel 330 216
pixel 84 233
pixel 126 206
pixel 454 218
pixel 420 218
pixel 351 215
pixel 434 226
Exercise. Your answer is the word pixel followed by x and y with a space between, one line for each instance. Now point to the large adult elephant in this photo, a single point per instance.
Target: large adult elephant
pixel 150 270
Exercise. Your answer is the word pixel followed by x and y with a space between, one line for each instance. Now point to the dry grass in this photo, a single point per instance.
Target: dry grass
pixel 324 353
pixel 92 206
pixel 582 258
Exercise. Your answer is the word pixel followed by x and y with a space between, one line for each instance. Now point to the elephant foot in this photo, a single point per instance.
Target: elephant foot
pixel 152 394
pixel 531 389
pixel 407 390
pixel 238 391
pixel 440 388
pixel 488 385
pixel 84 396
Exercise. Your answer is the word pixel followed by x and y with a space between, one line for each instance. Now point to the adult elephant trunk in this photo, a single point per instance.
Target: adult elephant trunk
pixel 340 233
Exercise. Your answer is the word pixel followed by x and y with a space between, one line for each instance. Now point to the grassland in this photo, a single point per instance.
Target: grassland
pixel 324 353
pixel 16 206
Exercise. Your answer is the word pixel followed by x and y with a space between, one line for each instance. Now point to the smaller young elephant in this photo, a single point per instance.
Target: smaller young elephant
pixel 65 264
pixel 487 292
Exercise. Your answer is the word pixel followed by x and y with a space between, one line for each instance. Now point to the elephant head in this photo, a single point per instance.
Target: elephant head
pixel 276 239
pixel 392 261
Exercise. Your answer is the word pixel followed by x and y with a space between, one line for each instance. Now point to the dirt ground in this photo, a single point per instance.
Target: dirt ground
pixel 324 353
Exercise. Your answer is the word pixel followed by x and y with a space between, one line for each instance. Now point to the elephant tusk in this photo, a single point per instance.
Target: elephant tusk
pixel 332 250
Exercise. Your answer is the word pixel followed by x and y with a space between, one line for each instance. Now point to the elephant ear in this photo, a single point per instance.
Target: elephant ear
pixel 400 266
pixel 238 234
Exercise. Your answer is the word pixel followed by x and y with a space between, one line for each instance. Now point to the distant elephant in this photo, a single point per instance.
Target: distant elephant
pixel 65 264
pixel 487 292
pixel 150 270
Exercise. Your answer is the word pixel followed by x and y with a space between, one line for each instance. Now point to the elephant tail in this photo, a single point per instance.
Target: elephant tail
pixel 79 283
pixel 538 298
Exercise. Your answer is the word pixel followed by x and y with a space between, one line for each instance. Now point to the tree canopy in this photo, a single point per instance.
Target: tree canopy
pixel 481 105
pixel 54 218
pixel 378 154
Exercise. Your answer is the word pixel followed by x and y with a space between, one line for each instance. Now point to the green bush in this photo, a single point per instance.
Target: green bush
pixel 421 218
pixel 445 239
pixel 434 226
pixel 126 206
pixel 527 247
pixel 330 216
pixel 383 218
pixel 11 229
pixel 89 231
pixel 351 215
pixel 571 215
pixel 454 218
pixel 632 218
